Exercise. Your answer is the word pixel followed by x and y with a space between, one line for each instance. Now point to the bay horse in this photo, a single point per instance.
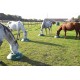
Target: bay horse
pixel 5 33
pixel 17 25
pixel 69 26
pixel 46 24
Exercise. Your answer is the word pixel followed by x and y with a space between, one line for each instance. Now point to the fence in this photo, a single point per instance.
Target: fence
pixel 25 23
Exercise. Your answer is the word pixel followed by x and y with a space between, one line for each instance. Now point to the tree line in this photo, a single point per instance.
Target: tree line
pixel 16 17
pixel 9 17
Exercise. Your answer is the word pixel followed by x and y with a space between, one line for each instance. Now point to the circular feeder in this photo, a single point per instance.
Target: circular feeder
pixel 13 56
pixel 56 36
pixel 0 62
pixel 41 35
pixel 25 39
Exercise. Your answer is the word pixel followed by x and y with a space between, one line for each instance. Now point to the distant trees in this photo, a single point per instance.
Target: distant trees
pixel 16 18
pixel 2 16
pixel 79 17
pixel 9 17
pixel 76 19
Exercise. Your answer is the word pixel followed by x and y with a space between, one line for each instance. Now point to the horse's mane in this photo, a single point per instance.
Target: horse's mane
pixel 10 33
pixel 5 28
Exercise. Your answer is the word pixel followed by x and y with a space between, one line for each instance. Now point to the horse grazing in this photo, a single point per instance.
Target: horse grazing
pixel 17 25
pixel 68 26
pixel 46 24
pixel 6 33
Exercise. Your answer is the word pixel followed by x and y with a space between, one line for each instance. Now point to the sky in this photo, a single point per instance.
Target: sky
pixel 41 9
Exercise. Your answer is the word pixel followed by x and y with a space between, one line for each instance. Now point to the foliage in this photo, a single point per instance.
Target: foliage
pixel 9 17
pixel 16 17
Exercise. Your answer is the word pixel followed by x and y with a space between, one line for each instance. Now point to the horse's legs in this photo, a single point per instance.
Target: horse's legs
pixel 76 34
pixel 49 31
pixel 18 35
pixel 46 30
pixel 65 34
pixel 41 31
pixel 79 34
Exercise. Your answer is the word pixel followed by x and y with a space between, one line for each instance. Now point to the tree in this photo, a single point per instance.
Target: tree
pixel 9 17
pixel 2 16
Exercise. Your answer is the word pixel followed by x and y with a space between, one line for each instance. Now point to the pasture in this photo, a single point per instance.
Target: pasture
pixel 44 50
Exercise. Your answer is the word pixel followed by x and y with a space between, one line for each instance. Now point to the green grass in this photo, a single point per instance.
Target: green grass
pixel 44 50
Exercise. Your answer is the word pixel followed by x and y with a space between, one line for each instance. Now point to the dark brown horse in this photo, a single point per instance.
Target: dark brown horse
pixel 69 26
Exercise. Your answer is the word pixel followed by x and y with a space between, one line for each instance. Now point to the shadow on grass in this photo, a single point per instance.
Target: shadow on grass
pixel 33 62
pixel 71 37
pixel 46 43
pixel 47 35
pixel 3 64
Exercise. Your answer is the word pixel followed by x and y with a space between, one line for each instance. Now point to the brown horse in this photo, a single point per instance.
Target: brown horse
pixel 69 26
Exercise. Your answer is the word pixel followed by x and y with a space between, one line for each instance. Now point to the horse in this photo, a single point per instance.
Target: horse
pixel 5 33
pixel 46 24
pixel 17 25
pixel 69 26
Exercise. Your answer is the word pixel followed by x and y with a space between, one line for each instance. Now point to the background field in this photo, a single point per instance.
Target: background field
pixel 45 50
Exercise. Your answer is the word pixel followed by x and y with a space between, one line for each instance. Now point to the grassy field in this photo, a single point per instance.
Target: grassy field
pixel 45 50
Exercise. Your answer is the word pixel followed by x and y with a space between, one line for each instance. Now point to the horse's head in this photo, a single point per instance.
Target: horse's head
pixel 53 22
pixel 58 33
pixel 14 47
pixel 25 34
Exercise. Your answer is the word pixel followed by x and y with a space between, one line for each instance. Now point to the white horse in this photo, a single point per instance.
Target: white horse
pixel 17 25
pixel 46 24
pixel 6 33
